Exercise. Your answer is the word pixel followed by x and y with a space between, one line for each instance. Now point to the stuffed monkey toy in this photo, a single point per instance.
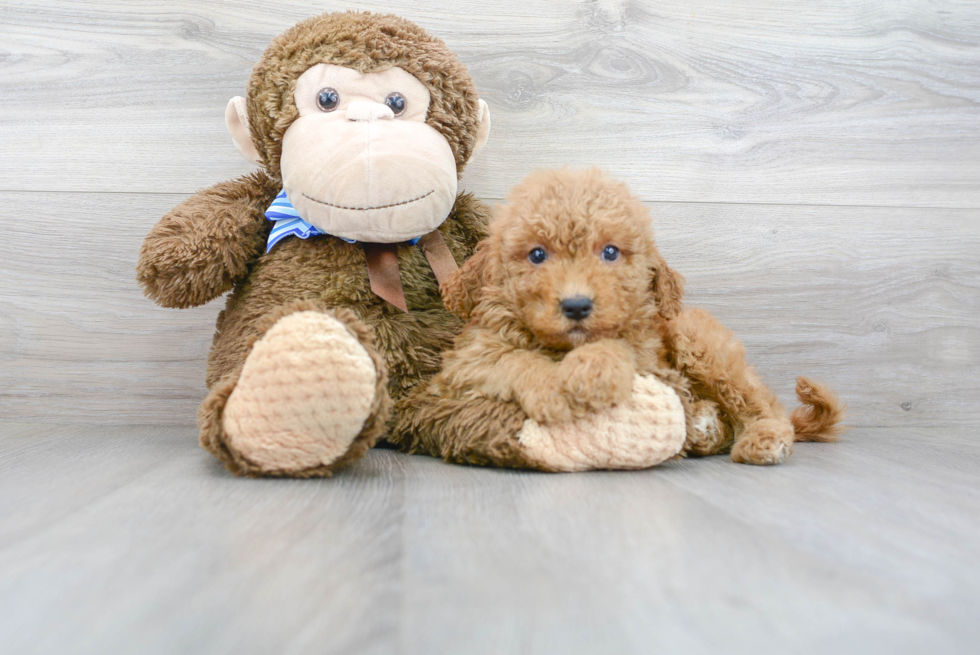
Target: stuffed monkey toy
pixel 333 251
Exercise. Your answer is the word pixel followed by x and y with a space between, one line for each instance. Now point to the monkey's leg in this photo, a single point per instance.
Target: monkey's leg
pixel 310 397
pixel 708 353
pixel 475 429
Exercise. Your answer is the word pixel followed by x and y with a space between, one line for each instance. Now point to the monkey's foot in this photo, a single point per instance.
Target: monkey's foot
pixel 647 429
pixel 306 391
pixel 766 441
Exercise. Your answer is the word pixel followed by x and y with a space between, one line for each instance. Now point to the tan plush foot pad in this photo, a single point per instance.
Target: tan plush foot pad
pixel 303 396
pixel 644 431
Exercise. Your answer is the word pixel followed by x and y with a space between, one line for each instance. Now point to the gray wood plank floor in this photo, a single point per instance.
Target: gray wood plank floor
pixel 132 540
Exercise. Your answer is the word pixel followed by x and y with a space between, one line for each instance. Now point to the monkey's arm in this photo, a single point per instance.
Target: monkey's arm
pixel 204 245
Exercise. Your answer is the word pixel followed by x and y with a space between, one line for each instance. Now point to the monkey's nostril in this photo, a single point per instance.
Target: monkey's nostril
pixel 576 308
pixel 360 110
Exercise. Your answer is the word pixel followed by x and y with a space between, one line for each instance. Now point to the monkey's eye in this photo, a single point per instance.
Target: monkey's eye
pixel 327 99
pixel 537 256
pixel 396 103
pixel 610 253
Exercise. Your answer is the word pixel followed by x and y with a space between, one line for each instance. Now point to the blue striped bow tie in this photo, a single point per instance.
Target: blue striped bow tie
pixel 288 223
pixel 381 258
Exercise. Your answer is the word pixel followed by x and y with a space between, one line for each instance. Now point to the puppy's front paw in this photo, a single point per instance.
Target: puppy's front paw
pixel 546 403
pixel 595 377
pixel 766 441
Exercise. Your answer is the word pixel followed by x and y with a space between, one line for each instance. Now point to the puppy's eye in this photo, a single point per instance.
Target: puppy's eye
pixel 537 256
pixel 396 103
pixel 327 99
pixel 610 253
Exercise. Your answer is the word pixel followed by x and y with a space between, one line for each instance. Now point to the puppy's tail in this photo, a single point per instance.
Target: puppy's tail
pixel 818 417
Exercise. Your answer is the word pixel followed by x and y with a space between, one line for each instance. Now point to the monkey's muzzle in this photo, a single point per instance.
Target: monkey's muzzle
pixel 368 177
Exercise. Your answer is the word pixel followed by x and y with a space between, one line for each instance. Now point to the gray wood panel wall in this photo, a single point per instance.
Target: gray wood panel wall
pixel 813 169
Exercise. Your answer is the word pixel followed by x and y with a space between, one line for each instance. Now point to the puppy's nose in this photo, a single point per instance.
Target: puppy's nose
pixel 576 307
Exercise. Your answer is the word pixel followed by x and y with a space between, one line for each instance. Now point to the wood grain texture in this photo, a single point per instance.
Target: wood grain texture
pixel 123 540
pixel 813 170
pixel 113 113
pixel 882 303
pixel 857 102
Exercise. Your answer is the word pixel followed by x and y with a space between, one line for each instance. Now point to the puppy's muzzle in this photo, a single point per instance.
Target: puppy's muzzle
pixel 576 308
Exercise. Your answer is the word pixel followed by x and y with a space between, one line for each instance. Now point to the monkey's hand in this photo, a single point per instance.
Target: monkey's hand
pixel 598 375
pixel 203 246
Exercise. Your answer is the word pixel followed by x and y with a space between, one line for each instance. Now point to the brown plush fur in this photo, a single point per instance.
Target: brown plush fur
pixel 205 245
pixel 519 356
pixel 215 241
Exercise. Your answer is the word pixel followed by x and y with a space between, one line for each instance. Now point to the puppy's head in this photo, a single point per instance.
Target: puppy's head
pixel 571 258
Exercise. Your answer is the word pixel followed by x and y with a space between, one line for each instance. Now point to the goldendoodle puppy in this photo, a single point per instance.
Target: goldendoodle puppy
pixel 569 304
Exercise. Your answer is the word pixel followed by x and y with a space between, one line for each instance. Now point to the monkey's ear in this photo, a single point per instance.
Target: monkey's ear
pixel 483 132
pixel 463 291
pixel 668 288
pixel 236 118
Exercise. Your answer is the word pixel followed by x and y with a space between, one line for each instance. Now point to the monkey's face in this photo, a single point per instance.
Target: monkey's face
pixel 360 162
pixel 366 119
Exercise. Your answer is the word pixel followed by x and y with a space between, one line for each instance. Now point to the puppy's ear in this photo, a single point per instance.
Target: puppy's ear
pixel 668 288
pixel 463 291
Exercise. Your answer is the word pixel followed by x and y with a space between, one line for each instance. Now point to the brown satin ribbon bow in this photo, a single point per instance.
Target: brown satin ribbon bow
pixel 382 265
